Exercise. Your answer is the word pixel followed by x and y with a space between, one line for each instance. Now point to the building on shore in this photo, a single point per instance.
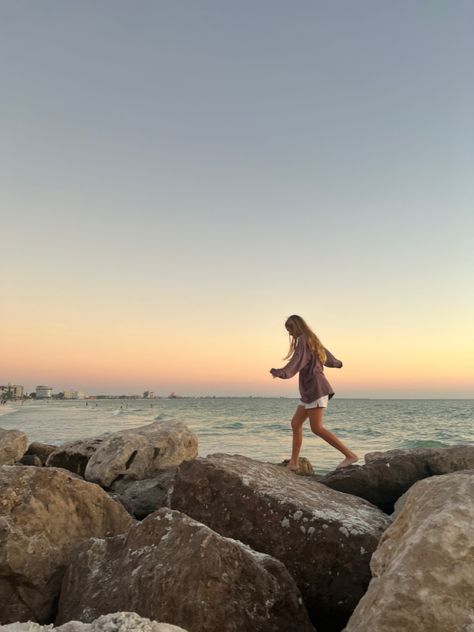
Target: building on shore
pixel 12 391
pixel 73 395
pixel 149 395
pixel 44 392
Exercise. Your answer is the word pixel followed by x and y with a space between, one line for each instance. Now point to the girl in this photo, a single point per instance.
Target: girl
pixel 308 357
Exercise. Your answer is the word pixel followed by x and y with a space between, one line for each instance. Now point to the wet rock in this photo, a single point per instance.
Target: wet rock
pixel 13 444
pixel 141 498
pixel 388 475
pixel 117 622
pixel 44 514
pixel 173 568
pixel 423 569
pixel 41 450
pixel 324 538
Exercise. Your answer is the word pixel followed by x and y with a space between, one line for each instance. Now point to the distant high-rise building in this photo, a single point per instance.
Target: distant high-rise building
pixel 148 395
pixel 73 395
pixel 18 391
pixel 12 391
pixel 44 392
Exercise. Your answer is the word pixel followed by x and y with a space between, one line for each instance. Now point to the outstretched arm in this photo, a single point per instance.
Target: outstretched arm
pixel 299 359
pixel 331 361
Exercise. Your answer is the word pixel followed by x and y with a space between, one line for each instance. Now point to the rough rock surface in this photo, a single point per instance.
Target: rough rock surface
pixel 41 450
pixel 13 444
pixel 74 455
pixel 324 538
pixel 44 514
pixel 141 498
pixel 117 622
pixel 136 453
pixel 139 452
pixel 423 569
pixel 173 568
pixel 304 466
pixel 388 475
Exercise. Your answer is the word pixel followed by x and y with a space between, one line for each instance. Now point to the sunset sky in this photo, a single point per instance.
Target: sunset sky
pixel 176 178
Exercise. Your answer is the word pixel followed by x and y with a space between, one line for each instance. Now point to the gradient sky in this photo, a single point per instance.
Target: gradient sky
pixel 176 178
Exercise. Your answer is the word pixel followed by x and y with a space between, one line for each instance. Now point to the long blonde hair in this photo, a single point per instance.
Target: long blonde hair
pixel 296 326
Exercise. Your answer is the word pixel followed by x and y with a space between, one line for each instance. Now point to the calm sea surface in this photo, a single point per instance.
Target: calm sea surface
pixel 257 427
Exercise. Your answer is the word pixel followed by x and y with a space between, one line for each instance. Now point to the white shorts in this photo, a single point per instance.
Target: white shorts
pixel 321 402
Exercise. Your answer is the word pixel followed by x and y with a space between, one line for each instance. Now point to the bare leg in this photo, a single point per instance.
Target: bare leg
pixel 300 416
pixel 316 421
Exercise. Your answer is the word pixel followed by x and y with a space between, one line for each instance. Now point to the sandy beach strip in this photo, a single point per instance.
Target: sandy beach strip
pixel 4 410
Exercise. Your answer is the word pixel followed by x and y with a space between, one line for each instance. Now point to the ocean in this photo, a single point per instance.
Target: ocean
pixel 257 427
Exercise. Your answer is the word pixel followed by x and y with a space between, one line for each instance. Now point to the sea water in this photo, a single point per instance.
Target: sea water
pixel 256 427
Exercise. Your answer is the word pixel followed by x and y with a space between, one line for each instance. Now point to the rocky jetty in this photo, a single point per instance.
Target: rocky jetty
pixel 13 445
pixel 174 568
pixel 423 569
pixel 324 538
pixel 245 545
pixel 44 514
pixel 387 475
pixel 117 622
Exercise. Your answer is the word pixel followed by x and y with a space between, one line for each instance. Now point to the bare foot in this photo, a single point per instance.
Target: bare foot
pixel 291 466
pixel 349 460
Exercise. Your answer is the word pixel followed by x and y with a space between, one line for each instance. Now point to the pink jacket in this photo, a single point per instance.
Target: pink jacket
pixel 312 381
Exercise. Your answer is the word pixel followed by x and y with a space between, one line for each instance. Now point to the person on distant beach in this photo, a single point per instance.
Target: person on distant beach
pixel 308 356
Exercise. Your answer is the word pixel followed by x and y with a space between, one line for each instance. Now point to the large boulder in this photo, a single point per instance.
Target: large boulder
pixel 135 453
pixel 44 514
pixel 387 475
pixel 173 568
pixel 74 455
pixel 139 452
pixel 423 569
pixel 40 450
pixel 324 538
pixel 13 445
pixel 117 622
pixel 143 497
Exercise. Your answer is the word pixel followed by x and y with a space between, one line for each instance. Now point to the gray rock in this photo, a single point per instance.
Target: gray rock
pixel 324 538
pixel 423 569
pixel 74 455
pixel 173 568
pixel 139 452
pixel 30 459
pixel 141 498
pixel 44 514
pixel 13 444
pixel 388 475
pixel 41 450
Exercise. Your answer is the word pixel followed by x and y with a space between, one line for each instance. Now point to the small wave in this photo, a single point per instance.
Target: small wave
pixel 160 417
pixel 234 424
pixel 368 432
pixel 117 412
pixel 424 443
